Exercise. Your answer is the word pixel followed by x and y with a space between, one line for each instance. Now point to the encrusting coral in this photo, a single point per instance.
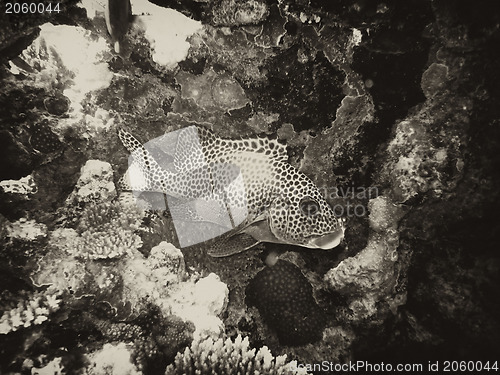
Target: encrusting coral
pixel 214 357
pixel 27 312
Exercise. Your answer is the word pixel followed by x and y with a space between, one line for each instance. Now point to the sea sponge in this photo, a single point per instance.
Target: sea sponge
pixel 32 310
pixel 209 357
pixel 284 298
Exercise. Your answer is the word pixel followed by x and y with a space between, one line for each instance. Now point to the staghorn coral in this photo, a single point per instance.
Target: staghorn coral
pixel 284 298
pixel 30 311
pixel 212 357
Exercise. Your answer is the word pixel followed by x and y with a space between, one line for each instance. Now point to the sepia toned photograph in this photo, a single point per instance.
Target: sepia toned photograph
pixel 249 187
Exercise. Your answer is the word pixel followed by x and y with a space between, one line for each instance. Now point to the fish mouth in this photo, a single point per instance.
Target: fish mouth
pixel 327 241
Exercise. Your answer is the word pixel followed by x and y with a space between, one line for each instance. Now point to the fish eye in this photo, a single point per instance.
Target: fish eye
pixel 309 206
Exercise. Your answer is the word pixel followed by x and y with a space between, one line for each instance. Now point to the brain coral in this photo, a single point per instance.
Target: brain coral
pixel 209 357
pixel 284 298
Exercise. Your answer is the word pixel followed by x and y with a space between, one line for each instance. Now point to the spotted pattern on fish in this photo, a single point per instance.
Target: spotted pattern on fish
pixel 43 139
pixel 276 192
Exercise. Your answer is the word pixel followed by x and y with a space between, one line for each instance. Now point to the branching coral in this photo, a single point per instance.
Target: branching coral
pixel 227 357
pixel 106 230
pixel 27 312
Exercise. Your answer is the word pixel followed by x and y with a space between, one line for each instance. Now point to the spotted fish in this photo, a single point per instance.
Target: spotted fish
pixel 279 203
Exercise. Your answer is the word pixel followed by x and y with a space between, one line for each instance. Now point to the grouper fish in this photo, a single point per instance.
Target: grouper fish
pixel 266 198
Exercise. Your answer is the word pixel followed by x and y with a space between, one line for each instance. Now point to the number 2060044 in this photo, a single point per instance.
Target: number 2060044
pixel 25 8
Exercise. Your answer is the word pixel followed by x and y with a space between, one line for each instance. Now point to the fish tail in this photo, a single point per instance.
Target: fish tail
pixel 144 173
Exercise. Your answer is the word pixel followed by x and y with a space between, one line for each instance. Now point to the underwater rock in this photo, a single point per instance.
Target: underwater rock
pixel 167 263
pixel 17 161
pixel 284 298
pixel 371 275
pixel 56 105
pixel 24 186
pixel 214 357
pixel 75 68
pixel 168 40
pixel 239 13
pixel 95 183
pixel 53 367
pixel 202 303
pixel 419 160
pixel 434 79
pixel 212 90
pixel 235 53
pixel 27 230
pixel 112 359
pixel 368 276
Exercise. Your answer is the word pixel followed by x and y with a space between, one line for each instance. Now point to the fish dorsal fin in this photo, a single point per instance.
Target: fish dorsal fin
pixel 269 147
pixel 188 151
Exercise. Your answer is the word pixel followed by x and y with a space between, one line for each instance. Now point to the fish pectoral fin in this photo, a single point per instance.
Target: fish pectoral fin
pixel 235 244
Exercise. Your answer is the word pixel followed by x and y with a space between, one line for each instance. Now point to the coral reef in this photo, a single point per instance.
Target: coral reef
pixel 28 311
pixel 239 13
pixel 24 186
pixel 94 184
pixel 210 357
pixel 284 298
pixel 211 90
pixel 111 359
pixel 25 229
pixel 389 108
pixel 106 230
pixel 371 276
